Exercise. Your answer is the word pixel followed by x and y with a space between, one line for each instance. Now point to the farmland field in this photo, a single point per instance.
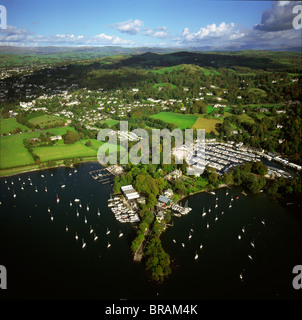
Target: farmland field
pixel 64 151
pixel 47 120
pixel 13 153
pixel 9 125
pixel 183 121
pixel 207 124
pixel 59 130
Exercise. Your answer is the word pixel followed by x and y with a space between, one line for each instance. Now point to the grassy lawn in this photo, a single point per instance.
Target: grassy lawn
pixel 110 122
pixel 8 125
pixel 207 124
pixel 75 150
pixel 183 121
pixel 13 153
pixel 64 151
pixel 45 120
pixel 59 130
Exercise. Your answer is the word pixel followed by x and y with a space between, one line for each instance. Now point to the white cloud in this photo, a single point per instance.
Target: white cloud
pixel 131 27
pixel 158 32
pixel 279 17
pixel 22 37
pixel 222 31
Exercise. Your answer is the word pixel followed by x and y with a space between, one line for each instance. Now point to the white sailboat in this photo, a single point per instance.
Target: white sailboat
pixel 48 209
pixel 174 240
pixel 95 237
pixel 208 226
pixel 201 246
pixel 36 190
pixel 108 231
pixel 250 257
pixel 51 217
pixel 239 236
pixel 14 195
pixel 87 208
pixel 45 189
pixel 91 230
pixel 203 213
pixel 108 245
pixel 216 218
pixel 196 255
pixel 78 214
pixel 252 243
pixel 76 236
pixel 263 222
pixel 58 199
pixel 99 212
pixel 230 205
pixel 70 203
pixel 243 229
pixel 241 276
pixel 63 186
pixel 83 244
pixel 209 209
pixel 66 229
pixel 183 245
pixel 85 220
pixel 120 234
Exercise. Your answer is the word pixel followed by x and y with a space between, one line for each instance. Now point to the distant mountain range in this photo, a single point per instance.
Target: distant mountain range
pixel 113 50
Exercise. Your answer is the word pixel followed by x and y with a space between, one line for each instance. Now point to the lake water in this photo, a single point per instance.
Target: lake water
pixel 44 261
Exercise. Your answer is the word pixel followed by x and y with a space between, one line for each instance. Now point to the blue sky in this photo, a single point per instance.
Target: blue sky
pixel 175 23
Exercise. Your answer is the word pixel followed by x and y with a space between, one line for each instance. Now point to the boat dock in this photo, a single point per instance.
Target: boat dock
pixel 182 210
pixel 106 175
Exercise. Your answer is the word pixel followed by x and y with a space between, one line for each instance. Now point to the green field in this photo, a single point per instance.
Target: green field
pixel 9 125
pixel 59 130
pixel 47 120
pixel 183 121
pixel 110 122
pixel 13 153
pixel 79 149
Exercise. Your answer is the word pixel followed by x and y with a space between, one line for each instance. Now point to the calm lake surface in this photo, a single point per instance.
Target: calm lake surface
pixel 45 261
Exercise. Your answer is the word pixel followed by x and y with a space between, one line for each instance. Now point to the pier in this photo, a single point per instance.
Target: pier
pixel 106 175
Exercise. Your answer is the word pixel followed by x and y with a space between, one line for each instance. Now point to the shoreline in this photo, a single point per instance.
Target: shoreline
pixel 205 190
pixel 26 170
